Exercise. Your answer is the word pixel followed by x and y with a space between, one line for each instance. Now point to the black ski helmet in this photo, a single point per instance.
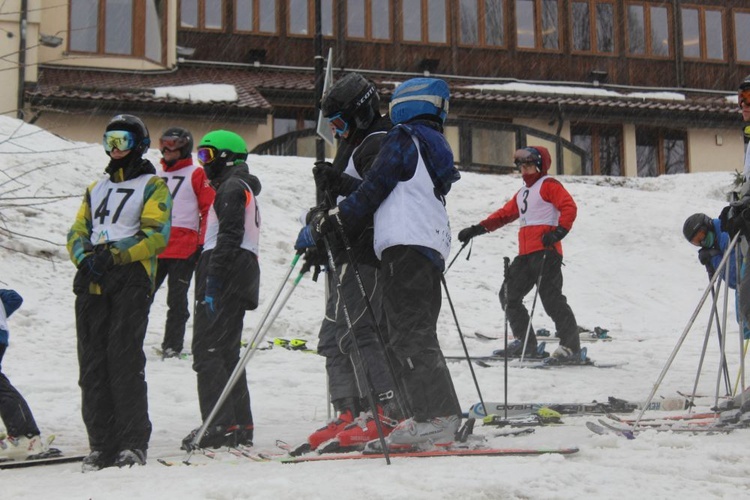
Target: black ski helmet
pixel 745 84
pixel 134 125
pixel 181 137
pixel 355 97
pixel 696 223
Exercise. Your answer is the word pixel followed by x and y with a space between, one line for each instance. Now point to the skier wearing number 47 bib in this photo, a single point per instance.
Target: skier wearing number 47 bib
pixel 122 225
pixel 546 212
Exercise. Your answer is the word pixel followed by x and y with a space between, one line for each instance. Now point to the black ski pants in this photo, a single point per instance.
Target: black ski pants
pixel 110 329
pixel 216 349
pixel 335 337
pixel 14 411
pixel 178 273
pixel 411 302
pixel 523 274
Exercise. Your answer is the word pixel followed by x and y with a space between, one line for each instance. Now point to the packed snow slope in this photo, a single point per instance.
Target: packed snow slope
pixel 627 269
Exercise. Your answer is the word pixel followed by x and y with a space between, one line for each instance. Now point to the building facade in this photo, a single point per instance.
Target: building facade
pixel 612 87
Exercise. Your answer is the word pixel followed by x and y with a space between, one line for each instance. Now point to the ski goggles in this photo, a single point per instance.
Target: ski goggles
pixel 743 98
pixel 171 143
pixel 525 157
pixel 206 155
pixel 338 124
pixel 121 140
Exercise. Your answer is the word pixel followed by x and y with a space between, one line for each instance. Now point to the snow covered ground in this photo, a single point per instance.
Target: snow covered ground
pixel 627 268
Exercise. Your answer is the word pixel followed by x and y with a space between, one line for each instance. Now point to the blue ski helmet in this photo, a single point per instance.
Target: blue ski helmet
pixel 420 97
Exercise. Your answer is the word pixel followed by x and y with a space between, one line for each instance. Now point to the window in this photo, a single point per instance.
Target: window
pixel 648 30
pixel 368 19
pixel 601 18
pixel 702 33
pixel 202 14
pixel 493 147
pixel 660 151
pixel 537 23
pixel 118 27
pixel 742 35
pixel 283 126
pixel 481 22
pixel 603 145
pixel 257 16
pixel 424 21
pixel 301 19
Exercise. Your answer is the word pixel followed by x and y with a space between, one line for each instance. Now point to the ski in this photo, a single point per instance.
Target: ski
pixel 54 459
pixel 612 405
pixel 630 432
pixel 458 452
pixel 533 362
pixel 711 416
pixel 159 352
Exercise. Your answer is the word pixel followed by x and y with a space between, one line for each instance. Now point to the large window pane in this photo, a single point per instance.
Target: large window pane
pixel 691 35
pixel 118 27
pixel 605 27
pixel 494 29
pixel 380 13
pixel 581 26
pixel 659 31
pixel 636 30
pixel 550 32
pixel 610 161
pixel 411 15
pixel 298 17
pixel 469 20
pixel 581 137
pixel 525 32
pixel 212 14
pixel 714 35
pixel 189 13
pixel 674 153
pixel 492 147
pixel 84 23
pixel 742 34
pixel 154 13
pixel 355 18
pixel 267 16
pixel 243 17
pixel 437 31
pixel 326 17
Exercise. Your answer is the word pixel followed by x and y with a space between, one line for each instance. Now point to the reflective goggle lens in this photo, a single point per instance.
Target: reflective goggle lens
pixel 743 97
pixel 118 139
pixel 338 124
pixel 206 155
pixel 698 238
pixel 171 143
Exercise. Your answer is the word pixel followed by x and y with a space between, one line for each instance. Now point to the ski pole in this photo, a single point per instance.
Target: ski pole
pixel 703 352
pixel 744 353
pixel 506 267
pixel 463 342
pixel 722 331
pixel 689 325
pixel 533 305
pixel 357 353
pixel 457 254
pixel 241 363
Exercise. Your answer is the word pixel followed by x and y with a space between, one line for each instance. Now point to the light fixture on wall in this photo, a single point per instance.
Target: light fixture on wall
pixel 186 52
pixel 51 41
pixel 598 76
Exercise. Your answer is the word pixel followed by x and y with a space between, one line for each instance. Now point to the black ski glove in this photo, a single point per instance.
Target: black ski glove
pixel 468 233
pixel 552 237
pixel 96 265
pixel 326 176
pixel 706 254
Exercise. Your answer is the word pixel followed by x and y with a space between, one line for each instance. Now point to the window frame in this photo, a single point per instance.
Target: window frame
pixel 539 28
pixel 661 135
pixel 702 30
pixel 425 24
pixel 594 132
pixel 593 31
pixel 368 37
pixel 138 34
pixel 202 17
pixel 735 12
pixel 482 25
pixel 255 30
pixel 648 49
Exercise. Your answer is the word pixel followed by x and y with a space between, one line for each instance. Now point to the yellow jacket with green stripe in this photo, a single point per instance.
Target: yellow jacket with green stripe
pixel 148 240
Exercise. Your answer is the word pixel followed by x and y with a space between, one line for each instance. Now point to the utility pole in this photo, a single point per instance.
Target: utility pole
pixel 22 57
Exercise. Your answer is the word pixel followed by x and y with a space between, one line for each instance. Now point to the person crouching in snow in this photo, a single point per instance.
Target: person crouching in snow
pixel 546 213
